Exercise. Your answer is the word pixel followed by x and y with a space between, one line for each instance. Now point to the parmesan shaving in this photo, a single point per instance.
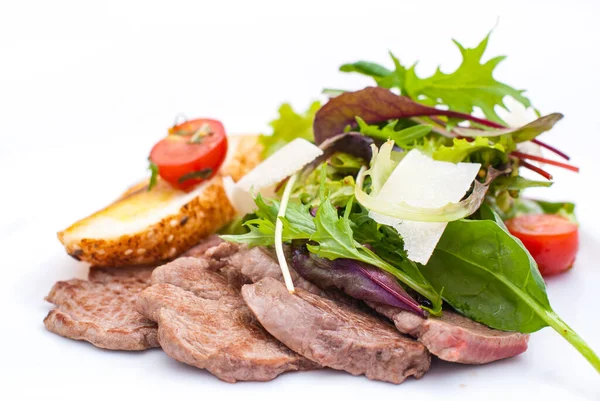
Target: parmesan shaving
pixel 264 178
pixel 420 197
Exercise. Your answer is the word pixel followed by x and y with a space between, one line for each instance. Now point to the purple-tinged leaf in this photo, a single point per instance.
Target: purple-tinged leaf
pixel 359 280
pixel 353 143
pixel 375 105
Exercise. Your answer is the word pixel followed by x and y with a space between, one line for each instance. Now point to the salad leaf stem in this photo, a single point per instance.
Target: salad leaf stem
pixel 279 233
pixel 535 169
pixel 544 160
pixel 572 337
pixel 551 148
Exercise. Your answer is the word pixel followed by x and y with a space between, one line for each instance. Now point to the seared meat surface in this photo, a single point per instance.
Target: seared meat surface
pixel 334 334
pixel 102 309
pixel 204 322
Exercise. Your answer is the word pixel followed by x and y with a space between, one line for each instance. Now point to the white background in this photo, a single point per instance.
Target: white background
pixel 87 88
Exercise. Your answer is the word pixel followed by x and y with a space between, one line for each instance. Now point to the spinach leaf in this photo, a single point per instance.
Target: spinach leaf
pixel 487 275
pixel 476 260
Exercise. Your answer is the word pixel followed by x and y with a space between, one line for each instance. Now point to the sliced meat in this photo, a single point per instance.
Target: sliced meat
pixel 456 338
pixel 253 264
pixel 133 276
pixel 200 249
pixel 102 310
pixel 204 322
pixel 335 335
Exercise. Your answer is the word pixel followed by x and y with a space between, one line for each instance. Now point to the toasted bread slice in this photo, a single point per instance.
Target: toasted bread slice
pixel 148 227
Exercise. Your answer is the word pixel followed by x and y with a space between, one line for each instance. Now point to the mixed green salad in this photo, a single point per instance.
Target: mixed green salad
pixel 411 182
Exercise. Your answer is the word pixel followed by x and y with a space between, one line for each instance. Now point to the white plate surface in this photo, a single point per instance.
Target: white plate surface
pixel 85 92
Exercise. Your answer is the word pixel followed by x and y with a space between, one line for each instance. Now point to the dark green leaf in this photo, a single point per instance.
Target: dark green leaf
pixel 200 174
pixel 153 174
pixel 382 76
pixel 488 276
pixel 366 68
pixel 409 135
pixel 518 183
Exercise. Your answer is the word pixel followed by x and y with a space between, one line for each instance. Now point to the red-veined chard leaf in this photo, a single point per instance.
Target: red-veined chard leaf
pixel 373 105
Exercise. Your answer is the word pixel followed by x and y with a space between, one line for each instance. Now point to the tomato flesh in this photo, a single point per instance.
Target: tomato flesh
pixel 551 239
pixel 186 151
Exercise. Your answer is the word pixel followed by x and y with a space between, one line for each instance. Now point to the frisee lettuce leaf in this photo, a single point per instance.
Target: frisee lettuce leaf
pixel 405 138
pixel 461 149
pixel 289 126
pixel 472 85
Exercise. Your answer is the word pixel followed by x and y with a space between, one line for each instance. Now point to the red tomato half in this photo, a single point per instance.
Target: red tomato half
pixel 552 240
pixel 192 153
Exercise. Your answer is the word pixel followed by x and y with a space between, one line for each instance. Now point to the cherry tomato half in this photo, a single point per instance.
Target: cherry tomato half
pixel 192 153
pixel 552 240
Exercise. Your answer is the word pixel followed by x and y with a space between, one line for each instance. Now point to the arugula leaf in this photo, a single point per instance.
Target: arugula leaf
pixel 471 85
pixel 261 229
pixel 235 226
pixel 488 276
pixel 461 149
pixel 261 233
pixel 288 126
pixel 404 138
